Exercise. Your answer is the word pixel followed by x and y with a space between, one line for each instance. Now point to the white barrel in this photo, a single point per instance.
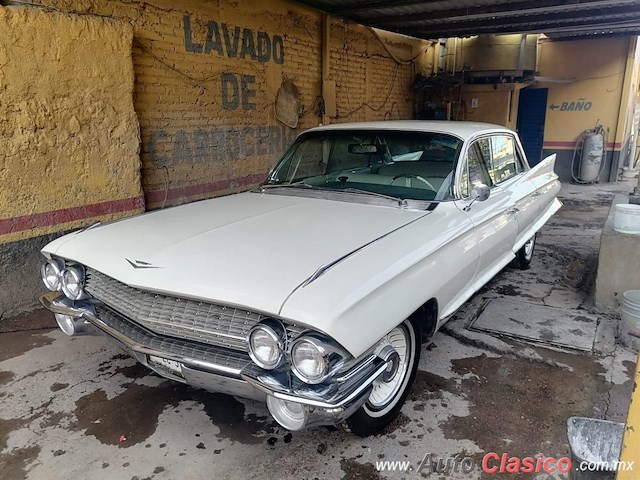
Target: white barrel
pixel 627 218
pixel 630 311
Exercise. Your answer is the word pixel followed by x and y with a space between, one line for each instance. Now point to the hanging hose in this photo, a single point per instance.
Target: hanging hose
pixel 597 130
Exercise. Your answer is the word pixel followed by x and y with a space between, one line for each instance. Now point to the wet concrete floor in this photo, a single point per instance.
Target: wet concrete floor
pixel 76 408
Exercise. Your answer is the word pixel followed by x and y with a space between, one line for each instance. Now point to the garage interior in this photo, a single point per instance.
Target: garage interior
pixel 112 108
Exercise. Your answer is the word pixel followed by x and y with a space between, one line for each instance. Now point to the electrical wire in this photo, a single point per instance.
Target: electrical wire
pixel 393 55
pixel 391 82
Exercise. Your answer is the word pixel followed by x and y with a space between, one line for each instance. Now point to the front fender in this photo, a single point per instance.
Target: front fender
pixel 364 297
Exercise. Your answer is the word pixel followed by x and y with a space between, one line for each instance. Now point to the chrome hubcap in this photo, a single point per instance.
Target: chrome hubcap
pixel 387 387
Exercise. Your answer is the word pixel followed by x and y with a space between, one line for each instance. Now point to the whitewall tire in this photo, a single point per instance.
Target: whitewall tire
pixel 387 397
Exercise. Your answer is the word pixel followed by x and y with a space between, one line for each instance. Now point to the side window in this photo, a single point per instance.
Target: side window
pixel 520 165
pixel 503 162
pixel 475 170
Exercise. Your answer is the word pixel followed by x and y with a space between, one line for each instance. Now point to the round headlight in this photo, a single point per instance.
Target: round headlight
pixel 266 347
pixel 73 282
pixel 50 272
pixel 309 361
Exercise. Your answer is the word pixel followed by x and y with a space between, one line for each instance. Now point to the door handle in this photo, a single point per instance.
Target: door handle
pixel 513 210
pixel 536 194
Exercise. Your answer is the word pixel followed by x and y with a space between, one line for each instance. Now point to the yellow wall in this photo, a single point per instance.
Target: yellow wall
pixel 197 140
pixel 598 67
pixel 193 144
pixel 630 449
pixel 495 104
pixel 593 80
pixel 68 128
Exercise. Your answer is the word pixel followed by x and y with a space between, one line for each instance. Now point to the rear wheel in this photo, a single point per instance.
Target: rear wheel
pixel 391 389
pixel 525 254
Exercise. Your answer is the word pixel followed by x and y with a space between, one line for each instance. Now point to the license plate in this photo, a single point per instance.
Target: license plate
pixel 166 365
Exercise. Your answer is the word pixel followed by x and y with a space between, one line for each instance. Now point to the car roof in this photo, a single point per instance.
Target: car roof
pixel 464 130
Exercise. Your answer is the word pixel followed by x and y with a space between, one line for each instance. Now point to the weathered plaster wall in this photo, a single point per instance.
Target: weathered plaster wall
pixel 206 79
pixel 207 75
pixel 69 134
pixel 68 129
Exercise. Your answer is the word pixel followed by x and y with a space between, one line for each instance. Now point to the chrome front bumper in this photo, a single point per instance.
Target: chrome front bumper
pixel 223 370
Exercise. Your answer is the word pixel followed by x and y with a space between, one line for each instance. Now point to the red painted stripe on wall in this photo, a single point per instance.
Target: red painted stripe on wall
pixel 573 145
pixel 157 196
pixel 65 215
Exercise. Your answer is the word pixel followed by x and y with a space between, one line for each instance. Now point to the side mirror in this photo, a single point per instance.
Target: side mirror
pixel 480 192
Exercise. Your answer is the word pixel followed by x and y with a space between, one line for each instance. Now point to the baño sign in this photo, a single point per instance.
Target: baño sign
pixel 579 105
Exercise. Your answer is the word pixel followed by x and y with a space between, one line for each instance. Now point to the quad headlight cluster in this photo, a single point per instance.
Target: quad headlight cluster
pixel 313 357
pixel 69 279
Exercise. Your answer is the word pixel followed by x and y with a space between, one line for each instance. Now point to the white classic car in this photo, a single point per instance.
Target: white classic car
pixel 315 290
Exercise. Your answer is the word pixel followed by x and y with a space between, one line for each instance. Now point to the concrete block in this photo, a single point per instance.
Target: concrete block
pixel 618 265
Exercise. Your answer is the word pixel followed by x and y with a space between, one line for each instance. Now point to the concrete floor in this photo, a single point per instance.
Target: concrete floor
pixel 66 402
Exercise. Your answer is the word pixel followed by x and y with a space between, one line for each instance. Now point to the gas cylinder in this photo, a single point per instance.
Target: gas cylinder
pixel 592 155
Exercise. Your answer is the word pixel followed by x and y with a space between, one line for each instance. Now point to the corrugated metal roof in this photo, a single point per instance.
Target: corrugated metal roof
pixel 432 19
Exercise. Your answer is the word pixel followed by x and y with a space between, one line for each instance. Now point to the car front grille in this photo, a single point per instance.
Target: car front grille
pixel 195 320
pixel 225 358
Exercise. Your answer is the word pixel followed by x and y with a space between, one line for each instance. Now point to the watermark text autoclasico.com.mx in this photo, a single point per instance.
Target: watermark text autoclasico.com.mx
pixel 493 462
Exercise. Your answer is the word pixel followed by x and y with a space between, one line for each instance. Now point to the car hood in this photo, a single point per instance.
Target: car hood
pixel 251 250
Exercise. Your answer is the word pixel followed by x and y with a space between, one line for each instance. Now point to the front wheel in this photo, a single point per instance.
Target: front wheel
pixel 525 254
pixel 387 397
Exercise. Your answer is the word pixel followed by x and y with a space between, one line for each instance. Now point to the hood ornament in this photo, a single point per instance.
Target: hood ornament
pixel 140 264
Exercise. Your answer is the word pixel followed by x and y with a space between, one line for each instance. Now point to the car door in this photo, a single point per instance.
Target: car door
pixel 495 223
pixel 509 170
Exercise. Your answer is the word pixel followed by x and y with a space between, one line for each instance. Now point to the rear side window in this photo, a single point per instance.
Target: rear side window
pixel 503 163
pixel 520 164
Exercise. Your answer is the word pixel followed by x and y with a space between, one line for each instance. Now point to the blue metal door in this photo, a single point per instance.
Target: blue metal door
pixel 532 110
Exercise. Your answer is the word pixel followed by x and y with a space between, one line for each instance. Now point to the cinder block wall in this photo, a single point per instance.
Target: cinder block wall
pixel 206 80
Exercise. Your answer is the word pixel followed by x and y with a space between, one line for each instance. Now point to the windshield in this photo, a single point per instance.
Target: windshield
pixel 406 165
